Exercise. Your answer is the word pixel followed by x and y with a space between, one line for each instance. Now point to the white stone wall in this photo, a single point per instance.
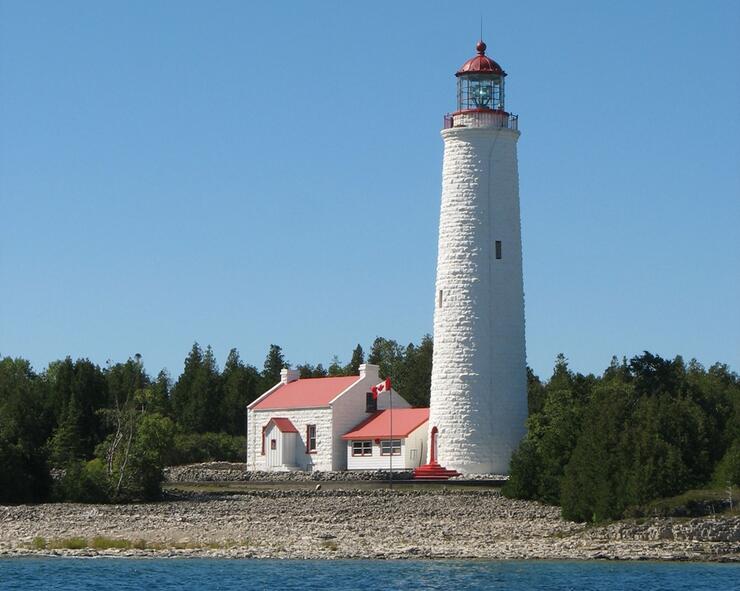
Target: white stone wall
pixel 321 417
pixel 346 411
pixel 479 397
pixel 349 411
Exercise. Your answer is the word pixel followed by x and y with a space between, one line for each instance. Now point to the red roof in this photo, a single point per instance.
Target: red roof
pixel 306 393
pixel 405 420
pixel 480 64
pixel 283 424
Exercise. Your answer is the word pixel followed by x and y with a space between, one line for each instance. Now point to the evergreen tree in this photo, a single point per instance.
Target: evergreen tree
pixel 536 393
pixel 160 389
pixel 274 364
pixel 183 396
pixel 69 443
pixel 59 377
pixel 556 429
pixel 24 473
pixel 415 381
pixel 79 428
pixel 309 371
pixel 336 368
pixel 90 389
pixel 197 395
pixel 524 471
pixel 358 358
pixel 593 483
pixel 646 429
pixel 664 449
pixel 240 388
pixel 389 356
pixel 210 395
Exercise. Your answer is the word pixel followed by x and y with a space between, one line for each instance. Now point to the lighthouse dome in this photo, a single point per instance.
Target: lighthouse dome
pixel 480 64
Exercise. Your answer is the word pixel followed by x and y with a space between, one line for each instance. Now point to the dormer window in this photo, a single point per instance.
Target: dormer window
pixel 371 403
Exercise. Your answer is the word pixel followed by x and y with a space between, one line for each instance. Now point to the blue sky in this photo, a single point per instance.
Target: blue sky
pixel 243 174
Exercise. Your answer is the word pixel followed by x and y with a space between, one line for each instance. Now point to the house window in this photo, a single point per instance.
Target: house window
pixel 371 402
pixel 310 439
pixel 387 445
pixel 498 249
pixel 273 443
pixel 362 448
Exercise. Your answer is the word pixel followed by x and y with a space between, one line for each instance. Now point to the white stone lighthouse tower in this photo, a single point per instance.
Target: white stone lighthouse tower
pixel 479 381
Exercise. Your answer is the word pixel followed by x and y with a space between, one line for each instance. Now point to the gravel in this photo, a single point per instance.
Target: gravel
pixel 347 523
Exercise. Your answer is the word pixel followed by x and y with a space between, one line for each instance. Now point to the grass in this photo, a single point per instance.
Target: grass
pixel 226 544
pixel 330 545
pixel 103 543
pixel 74 543
pixel 692 503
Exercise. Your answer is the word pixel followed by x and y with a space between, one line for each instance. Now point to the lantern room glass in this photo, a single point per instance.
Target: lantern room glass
pixel 480 91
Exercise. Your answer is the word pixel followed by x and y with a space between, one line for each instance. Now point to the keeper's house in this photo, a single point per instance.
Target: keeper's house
pixel 375 442
pixel 298 424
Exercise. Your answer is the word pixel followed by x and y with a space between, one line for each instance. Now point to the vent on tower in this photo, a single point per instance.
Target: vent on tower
pixel 439 299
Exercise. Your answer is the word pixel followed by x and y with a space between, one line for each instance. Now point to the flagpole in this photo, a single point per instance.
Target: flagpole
pixel 390 398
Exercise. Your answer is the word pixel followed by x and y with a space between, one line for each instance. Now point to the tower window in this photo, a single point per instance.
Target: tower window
pixel 439 299
pixel 498 249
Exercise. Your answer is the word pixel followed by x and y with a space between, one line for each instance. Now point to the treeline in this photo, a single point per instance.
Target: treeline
pixel 599 446
pixel 105 434
pixel 649 428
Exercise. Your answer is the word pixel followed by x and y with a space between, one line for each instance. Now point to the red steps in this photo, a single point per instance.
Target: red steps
pixel 433 471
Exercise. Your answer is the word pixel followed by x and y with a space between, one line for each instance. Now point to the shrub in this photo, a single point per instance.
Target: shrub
pixel 728 468
pixel 103 543
pixel 138 458
pixel 191 448
pixel 38 543
pixel 24 473
pixel 85 483
pixel 522 483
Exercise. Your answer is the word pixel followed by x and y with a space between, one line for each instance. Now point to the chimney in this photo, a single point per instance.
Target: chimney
pixel 288 375
pixel 368 370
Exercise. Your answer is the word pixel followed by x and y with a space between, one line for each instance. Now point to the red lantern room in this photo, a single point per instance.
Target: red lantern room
pixel 480 83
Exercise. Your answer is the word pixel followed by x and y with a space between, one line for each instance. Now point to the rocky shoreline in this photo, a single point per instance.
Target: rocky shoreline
pixel 353 523
pixel 236 472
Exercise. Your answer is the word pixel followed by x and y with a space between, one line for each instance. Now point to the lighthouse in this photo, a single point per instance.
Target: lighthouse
pixel 478 401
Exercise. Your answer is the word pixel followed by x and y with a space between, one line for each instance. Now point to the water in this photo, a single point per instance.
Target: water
pixel 78 574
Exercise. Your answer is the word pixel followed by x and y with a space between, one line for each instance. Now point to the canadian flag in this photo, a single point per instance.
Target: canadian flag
pixel 381 387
